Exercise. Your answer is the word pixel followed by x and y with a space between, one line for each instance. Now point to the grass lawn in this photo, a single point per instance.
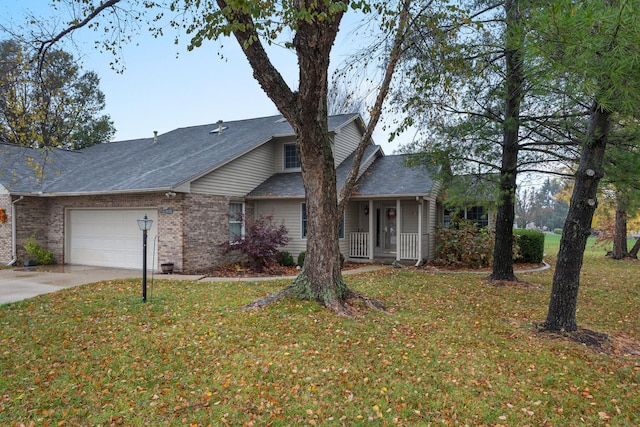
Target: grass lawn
pixel 452 350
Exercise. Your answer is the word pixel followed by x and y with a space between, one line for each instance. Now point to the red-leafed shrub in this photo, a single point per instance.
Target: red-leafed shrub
pixel 260 243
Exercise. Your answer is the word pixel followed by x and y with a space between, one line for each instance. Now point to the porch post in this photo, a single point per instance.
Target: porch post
pixel 371 229
pixel 399 228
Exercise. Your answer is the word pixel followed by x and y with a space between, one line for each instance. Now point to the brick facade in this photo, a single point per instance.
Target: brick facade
pixel 191 227
pixel 206 228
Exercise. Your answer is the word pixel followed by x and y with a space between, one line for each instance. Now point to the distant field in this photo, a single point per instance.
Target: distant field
pixel 552 245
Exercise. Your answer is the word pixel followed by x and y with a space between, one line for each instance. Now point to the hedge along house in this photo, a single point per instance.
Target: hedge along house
pixel 83 205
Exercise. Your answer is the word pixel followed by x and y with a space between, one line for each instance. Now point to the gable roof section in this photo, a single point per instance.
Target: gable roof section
pixel 389 176
pixel 393 176
pixel 177 157
pixel 289 184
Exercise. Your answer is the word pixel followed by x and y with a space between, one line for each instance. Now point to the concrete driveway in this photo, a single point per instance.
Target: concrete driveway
pixel 20 283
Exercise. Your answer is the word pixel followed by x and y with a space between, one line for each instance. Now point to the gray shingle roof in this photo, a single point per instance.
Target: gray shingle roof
pixel 289 184
pixel 387 176
pixel 393 176
pixel 25 169
pixel 178 156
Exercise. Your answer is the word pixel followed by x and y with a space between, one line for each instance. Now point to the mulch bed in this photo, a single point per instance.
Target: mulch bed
pixel 517 267
pixel 243 270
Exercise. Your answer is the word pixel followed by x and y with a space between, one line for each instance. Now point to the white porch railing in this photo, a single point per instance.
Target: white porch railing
pixel 359 245
pixel 409 245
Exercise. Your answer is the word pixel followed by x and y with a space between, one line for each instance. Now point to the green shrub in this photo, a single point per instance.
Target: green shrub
pixel 464 245
pixel 36 252
pixel 557 231
pixel 301 257
pixel 284 258
pixel 531 244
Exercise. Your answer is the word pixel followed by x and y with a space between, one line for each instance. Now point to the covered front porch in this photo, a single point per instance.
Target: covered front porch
pixel 392 229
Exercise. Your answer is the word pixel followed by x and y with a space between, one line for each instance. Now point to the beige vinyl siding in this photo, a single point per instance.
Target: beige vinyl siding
pixel 278 154
pixel 346 141
pixel 240 176
pixel 289 211
pixel 430 218
pixel 409 211
pixel 352 214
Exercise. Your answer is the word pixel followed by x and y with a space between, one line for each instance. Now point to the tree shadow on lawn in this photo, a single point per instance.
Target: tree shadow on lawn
pixel 598 342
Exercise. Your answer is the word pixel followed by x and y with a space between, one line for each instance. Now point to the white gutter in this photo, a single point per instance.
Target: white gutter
pixel 14 253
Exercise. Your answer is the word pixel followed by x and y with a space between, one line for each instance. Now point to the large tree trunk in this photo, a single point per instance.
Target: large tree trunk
pixel 503 249
pixel 620 249
pixel 577 227
pixel 306 110
pixel 321 278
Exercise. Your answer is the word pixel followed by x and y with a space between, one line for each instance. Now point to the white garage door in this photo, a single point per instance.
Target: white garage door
pixel 110 238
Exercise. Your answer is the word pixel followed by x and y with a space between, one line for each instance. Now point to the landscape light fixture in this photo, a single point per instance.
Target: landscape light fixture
pixel 145 225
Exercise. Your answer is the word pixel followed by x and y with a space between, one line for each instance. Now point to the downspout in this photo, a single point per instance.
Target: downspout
pixel 420 219
pixel 14 253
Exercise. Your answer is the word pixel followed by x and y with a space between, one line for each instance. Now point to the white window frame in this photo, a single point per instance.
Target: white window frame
pixel 284 156
pixel 234 221
pixel 303 221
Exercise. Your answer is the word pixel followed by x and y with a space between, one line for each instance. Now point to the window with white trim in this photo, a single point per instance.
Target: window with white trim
pixel 303 223
pixel 236 221
pixel 291 159
pixel 477 214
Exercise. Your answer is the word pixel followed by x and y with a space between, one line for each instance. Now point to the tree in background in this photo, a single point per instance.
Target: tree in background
pixel 343 100
pixel 542 206
pixel 621 190
pixel 491 107
pixel 51 103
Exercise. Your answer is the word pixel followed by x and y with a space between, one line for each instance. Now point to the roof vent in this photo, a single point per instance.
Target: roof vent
pixel 155 136
pixel 220 128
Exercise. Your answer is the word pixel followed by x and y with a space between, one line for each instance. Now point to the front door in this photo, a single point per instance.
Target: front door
pixel 389 229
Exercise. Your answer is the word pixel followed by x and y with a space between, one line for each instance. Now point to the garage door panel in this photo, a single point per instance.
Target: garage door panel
pixel 109 237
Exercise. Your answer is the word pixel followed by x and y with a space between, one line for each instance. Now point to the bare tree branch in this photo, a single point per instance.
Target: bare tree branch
pixel 394 57
pixel 45 45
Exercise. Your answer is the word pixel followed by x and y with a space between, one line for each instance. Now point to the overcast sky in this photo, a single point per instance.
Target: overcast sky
pixel 159 91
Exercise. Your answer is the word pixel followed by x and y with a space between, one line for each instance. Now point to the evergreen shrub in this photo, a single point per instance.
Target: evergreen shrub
pixel 285 259
pixel 531 243
pixel 301 257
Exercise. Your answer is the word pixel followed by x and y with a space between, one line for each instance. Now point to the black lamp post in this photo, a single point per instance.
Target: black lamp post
pixel 145 225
